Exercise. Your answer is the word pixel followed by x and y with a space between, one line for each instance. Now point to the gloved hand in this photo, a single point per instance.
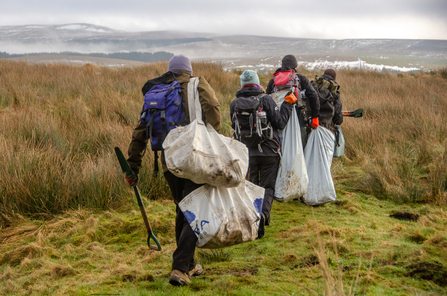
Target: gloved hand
pixel 315 122
pixel 290 98
pixel 132 179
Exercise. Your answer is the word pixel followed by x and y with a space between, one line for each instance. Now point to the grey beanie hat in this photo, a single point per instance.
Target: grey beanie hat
pixel 249 76
pixel 180 62
pixel 289 61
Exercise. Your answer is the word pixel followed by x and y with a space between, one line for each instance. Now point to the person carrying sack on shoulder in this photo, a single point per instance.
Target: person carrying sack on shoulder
pixel 256 118
pixel 330 103
pixel 308 106
pixel 179 69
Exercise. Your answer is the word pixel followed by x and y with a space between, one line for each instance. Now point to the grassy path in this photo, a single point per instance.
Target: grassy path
pixel 58 127
pixel 86 253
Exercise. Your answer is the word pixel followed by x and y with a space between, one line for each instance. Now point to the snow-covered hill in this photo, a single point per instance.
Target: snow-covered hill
pixel 238 50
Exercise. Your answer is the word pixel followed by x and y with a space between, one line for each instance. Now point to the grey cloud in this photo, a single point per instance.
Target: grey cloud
pixel 262 17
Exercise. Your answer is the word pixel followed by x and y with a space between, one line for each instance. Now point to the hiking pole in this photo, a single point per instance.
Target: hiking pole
pixel 127 170
pixel 356 113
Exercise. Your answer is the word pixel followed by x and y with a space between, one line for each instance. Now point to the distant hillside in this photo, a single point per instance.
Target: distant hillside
pixel 132 56
pixel 88 38
pixel 241 50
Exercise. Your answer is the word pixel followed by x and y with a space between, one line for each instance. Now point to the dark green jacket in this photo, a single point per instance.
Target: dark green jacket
pixel 210 108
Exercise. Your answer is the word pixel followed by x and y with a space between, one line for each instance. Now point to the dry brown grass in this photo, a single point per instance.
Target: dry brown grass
pixel 333 281
pixel 59 124
pixel 401 140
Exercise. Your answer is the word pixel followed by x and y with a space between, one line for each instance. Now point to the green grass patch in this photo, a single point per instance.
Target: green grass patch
pixel 365 249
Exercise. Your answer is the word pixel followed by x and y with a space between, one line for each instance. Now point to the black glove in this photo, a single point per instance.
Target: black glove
pixel 132 179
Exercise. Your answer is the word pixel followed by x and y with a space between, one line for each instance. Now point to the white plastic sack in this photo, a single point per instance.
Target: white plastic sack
pixel 340 149
pixel 292 180
pixel 279 97
pixel 318 155
pixel 198 153
pixel 222 217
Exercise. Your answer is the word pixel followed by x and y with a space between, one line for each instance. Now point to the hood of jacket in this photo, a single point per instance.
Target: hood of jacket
pixel 248 92
pixel 285 69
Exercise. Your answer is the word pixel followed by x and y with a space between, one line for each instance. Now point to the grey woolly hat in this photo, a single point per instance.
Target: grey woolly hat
pixel 180 62
pixel 249 76
pixel 289 61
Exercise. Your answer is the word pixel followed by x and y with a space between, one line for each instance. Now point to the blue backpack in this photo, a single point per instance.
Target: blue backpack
pixel 162 112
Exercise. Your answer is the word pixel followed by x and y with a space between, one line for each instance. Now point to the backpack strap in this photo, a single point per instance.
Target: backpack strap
pixel 337 138
pixel 149 125
pixel 163 124
pixel 154 174
pixel 237 128
pixel 194 107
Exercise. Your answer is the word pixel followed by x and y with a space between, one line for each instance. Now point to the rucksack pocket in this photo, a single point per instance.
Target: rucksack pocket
pixel 250 122
pixel 251 140
pixel 283 78
pixel 162 112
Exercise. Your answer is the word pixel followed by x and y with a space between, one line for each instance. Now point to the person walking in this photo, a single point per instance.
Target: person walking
pixel 263 146
pixel 180 69
pixel 308 109
pixel 330 104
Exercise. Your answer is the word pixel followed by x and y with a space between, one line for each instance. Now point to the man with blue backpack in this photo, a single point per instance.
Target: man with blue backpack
pixel 165 107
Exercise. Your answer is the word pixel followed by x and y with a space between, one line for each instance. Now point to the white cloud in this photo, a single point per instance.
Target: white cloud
pixel 412 19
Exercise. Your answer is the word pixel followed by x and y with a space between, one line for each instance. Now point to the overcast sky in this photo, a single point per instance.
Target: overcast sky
pixel 328 19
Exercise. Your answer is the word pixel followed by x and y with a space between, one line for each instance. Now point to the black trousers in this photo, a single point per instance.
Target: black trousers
pixel 183 257
pixel 263 172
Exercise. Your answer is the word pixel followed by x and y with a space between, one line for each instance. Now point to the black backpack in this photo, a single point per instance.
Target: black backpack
pixel 250 122
pixel 326 89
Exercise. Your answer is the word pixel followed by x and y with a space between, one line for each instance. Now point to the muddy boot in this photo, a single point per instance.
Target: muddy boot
pixel 179 278
pixel 261 229
pixel 197 270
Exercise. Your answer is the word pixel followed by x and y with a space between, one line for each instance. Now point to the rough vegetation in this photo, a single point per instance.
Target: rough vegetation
pixel 70 225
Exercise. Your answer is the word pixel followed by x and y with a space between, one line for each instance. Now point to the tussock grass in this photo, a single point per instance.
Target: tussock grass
pixel 59 124
pixel 401 140
pixel 58 127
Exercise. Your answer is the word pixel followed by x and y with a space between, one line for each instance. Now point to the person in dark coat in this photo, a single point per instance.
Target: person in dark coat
pixel 330 104
pixel 264 159
pixel 179 68
pixel 311 106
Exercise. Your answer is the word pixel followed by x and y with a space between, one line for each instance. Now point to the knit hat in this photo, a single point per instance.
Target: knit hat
pixel 330 72
pixel 180 62
pixel 289 61
pixel 249 76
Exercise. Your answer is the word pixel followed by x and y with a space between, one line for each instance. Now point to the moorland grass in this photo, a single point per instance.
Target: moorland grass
pixel 352 247
pixel 60 123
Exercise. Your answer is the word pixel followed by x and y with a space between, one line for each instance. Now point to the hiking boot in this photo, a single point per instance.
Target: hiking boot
pixel 179 278
pixel 197 270
pixel 261 229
